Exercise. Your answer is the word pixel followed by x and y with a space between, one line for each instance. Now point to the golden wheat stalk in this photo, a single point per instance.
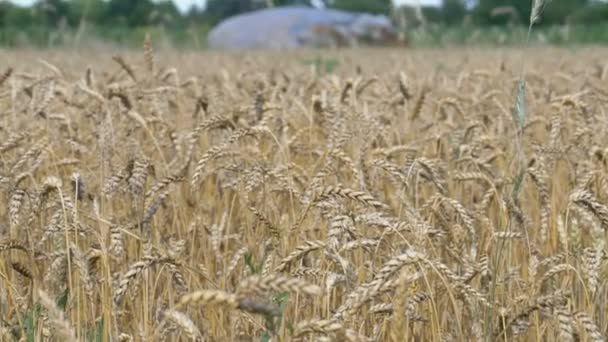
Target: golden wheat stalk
pixel 126 67
pixel 298 253
pixel 57 318
pixel 208 297
pixel 589 202
pixel 149 54
pixel 260 285
pixel 184 322
pixel 5 75
pixel 358 196
pixel 128 278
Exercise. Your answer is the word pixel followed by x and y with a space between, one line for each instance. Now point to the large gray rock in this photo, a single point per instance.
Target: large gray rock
pixel 293 27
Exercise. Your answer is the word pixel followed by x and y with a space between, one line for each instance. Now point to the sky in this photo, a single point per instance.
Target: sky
pixel 185 4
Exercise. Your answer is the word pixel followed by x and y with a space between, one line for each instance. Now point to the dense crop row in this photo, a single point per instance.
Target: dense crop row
pixel 392 196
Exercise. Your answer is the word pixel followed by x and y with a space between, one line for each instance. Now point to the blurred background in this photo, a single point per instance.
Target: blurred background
pixel 186 23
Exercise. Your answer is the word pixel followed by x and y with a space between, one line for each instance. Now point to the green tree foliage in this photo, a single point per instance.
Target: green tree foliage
pixel 559 11
pixel 116 17
pixel 51 12
pixel 408 18
pixel 217 10
pixel 134 13
pixel 370 6
pixel 278 3
pixel 15 16
pixel 593 13
pixel 91 11
pixel 453 12
pixel 501 12
pixel 166 13
pixel 138 13
pixel 131 13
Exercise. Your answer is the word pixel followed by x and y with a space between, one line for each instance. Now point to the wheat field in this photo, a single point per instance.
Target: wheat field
pixel 383 195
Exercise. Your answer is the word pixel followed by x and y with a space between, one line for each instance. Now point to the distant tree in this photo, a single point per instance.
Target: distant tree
pixel 165 12
pixel 453 12
pixel 560 11
pixel 370 6
pixel 410 19
pixel 195 14
pixel 593 13
pixel 51 12
pixel 292 2
pixel 5 9
pixel 15 16
pixel 132 12
pixel 218 10
pixel 500 12
pixel 91 11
